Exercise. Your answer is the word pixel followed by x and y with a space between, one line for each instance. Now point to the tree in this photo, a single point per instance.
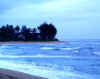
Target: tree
pixel 52 32
pixel 9 32
pixel 17 29
pixel 47 32
pixel 17 33
pixel 2 33
pixel 6 33
pixel 35 35
pixel 43 31
pixel 26 32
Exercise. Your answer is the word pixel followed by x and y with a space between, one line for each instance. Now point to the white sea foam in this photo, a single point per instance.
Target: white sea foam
pixel 47 56
pixel 61 48
pixel 69 48
pixel 66 48
pixel 35 56
pixel 76 51
pixel 96 53
pixel 4 46
pixel 50 73
pixel 54 48
pixel 9 46
pixel 47 48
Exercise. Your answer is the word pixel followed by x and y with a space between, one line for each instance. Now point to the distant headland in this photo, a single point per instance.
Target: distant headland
pixel 43 33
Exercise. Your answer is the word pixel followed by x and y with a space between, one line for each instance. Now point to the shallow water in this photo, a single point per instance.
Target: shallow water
pixel 77 59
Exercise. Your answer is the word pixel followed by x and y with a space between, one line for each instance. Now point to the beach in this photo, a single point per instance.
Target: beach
pixel 76 59
pixel 30 42
pixel 9 74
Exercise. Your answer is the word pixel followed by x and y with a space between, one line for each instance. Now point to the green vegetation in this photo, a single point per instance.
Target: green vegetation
pixel 45 32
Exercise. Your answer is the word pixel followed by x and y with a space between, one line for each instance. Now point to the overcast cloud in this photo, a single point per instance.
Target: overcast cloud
pixel 73 18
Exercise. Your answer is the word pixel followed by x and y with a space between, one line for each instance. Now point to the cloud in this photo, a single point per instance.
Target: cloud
pixel 7 4
pixel 65 14
pixel 53 8
pixel 68 10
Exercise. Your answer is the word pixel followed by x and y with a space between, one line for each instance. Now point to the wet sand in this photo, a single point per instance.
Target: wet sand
pixel 9 74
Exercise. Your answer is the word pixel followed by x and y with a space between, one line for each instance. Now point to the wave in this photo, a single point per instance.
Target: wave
pixel 55 48
pixel 50 73
pixel 47 48
pixel 4 46
pixel 9 46
pixel 48 56
pixel 96 53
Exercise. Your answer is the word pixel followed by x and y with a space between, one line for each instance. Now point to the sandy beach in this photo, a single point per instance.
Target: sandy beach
pixel 22 42
pixel 9 74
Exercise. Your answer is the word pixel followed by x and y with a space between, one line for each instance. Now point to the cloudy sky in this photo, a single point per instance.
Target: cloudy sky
pixel 74 19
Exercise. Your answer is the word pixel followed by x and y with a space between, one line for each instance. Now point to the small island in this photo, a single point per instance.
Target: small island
pixel 43 33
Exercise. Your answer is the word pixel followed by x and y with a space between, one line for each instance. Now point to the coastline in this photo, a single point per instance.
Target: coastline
pixel 9 74
pixel 32 42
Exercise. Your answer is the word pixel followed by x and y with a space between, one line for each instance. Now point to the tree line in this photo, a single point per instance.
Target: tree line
pixel 45 32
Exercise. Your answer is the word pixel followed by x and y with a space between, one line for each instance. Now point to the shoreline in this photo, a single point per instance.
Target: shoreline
pixel 30 42
pixel 10 74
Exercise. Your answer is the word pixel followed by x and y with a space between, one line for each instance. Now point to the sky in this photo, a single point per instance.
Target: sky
pixel 74 19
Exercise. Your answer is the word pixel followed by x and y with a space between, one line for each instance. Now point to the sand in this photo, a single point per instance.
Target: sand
pixel 9 74
pixel 21 42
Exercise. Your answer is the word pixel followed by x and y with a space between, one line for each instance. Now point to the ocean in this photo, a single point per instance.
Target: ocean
pixel 74 59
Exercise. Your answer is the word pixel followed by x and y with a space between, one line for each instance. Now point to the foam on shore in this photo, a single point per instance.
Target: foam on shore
pixel 9 74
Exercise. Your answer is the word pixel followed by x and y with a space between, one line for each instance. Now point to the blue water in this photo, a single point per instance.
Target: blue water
pixel 75 59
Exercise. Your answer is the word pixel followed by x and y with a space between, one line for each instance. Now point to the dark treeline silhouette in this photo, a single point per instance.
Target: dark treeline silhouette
pixel 45 32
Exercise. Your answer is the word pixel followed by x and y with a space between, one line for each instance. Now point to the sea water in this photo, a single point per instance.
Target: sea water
pixel 74 59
